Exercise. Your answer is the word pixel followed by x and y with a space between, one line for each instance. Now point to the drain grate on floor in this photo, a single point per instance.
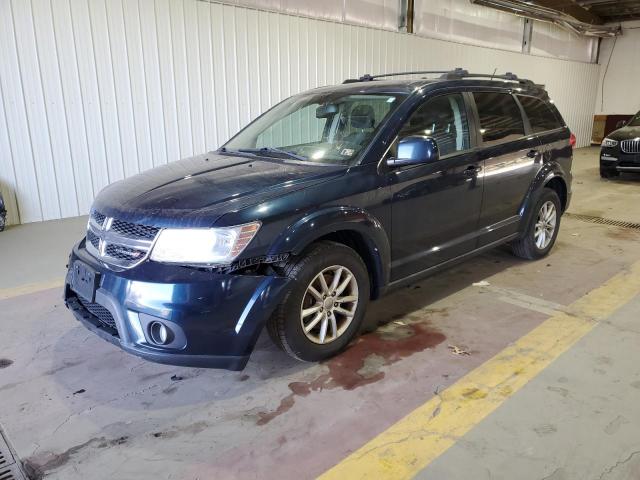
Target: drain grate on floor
pixel 6 458
pixel 8 468
pixel 603 221
pixel 10 473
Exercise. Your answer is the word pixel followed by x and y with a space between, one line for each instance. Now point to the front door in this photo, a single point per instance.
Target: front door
pixel 436 205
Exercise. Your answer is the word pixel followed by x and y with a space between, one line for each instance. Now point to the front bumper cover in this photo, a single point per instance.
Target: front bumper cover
pixel 215 318
pixel 612 158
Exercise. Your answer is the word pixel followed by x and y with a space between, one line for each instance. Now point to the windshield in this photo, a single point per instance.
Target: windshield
pixel 635 121
pixel 325 128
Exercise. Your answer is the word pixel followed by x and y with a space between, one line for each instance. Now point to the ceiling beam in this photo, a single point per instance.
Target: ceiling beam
pixel 624 17
pixel 589 3
pixel 573 9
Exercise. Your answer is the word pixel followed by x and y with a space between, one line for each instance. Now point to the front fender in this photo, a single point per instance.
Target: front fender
pixel 319 223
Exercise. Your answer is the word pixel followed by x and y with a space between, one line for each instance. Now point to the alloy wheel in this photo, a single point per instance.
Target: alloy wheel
pixel 329 304
pixel 545 225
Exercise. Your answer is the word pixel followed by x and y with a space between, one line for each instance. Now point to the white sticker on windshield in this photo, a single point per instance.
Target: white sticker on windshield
pixel 347 152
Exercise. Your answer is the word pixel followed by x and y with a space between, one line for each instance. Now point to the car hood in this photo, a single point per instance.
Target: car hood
pixel 625 133
pixel 197 191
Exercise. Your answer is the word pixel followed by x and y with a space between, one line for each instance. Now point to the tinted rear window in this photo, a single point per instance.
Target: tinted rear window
pixel 500 117
pixel 541 117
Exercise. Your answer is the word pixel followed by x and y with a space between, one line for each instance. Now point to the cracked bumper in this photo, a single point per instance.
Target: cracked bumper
pixel 215 319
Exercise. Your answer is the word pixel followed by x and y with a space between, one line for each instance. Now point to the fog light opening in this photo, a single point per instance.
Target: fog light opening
pixel 159 333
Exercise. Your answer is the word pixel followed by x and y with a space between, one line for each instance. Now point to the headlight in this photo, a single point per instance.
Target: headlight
pixel 203 246
pixel 608 142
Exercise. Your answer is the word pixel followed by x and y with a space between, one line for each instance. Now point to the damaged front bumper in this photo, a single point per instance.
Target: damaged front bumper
pixel 210 319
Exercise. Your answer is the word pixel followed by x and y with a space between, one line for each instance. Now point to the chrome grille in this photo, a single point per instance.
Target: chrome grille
pixel 124 253
pixel 134 229
pixel 98 217
pixel 630 146
pixel 93 239
pixel 119 243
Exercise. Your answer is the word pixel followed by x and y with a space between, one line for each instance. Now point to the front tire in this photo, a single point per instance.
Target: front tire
pixel 542 230
pixel 324 309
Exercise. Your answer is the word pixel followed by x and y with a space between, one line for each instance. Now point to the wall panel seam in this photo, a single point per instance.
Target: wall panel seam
pixel 115 91
pixel 82 100
pixel 65 113
pixel 26 114
pixel 99 90
pixel 11 151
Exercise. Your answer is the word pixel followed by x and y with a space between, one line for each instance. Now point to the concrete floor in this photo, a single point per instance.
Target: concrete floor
pixel 75 407
pixel 48 240
pixel 578 419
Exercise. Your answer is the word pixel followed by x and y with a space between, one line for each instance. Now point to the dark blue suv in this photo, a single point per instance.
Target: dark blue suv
pixel 323 203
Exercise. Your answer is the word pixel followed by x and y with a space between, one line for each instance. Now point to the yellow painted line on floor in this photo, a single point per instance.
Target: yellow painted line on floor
pixel 6 293
pixel 415 441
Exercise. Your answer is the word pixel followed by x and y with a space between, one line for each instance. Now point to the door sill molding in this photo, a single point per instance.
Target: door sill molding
pixel 428 271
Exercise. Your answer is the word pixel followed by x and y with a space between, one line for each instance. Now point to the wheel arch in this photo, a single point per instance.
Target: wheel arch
pixel 350 226
pixel 559 185
pixel 548 177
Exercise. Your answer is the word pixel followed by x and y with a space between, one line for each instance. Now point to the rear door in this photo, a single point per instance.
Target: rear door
pixel 547 125
pixel 436 205
pixel 511 160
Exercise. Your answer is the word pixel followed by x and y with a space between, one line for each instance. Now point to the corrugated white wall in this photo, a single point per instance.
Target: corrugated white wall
pixel 620 87
pixel 373 13
pixel 465 22
pixel 92 91
pixel 550 40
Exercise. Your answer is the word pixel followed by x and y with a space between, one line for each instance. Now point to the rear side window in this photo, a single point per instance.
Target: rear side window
pixel 541 117
pixel 500 117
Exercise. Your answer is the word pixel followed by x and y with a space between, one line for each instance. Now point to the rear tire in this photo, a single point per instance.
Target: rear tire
pixel 3 222
pixel 541 232
pixel 314 323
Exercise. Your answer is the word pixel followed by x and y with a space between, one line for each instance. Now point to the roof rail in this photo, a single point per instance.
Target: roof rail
pixel 457 73
pixel 367 77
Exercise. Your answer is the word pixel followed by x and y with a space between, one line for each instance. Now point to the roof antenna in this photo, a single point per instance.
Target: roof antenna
pixel 494 72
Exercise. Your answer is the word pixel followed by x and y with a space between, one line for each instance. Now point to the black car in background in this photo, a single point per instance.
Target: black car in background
pixel 3 214
pixel 620 150
pixel 325 202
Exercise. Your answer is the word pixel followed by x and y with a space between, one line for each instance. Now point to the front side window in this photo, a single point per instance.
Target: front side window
pixel 500 117
pixel 324 128
pixel 541 117
pixel 444 119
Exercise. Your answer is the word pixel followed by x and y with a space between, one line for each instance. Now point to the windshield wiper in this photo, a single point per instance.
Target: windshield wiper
pixel 278 151
pixel 236 152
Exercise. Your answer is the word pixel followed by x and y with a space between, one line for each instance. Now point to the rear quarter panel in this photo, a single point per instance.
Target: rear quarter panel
pixel 558 153
pixel 557 161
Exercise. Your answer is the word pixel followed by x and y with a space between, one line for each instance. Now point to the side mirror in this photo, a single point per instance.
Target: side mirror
pixel 414 150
